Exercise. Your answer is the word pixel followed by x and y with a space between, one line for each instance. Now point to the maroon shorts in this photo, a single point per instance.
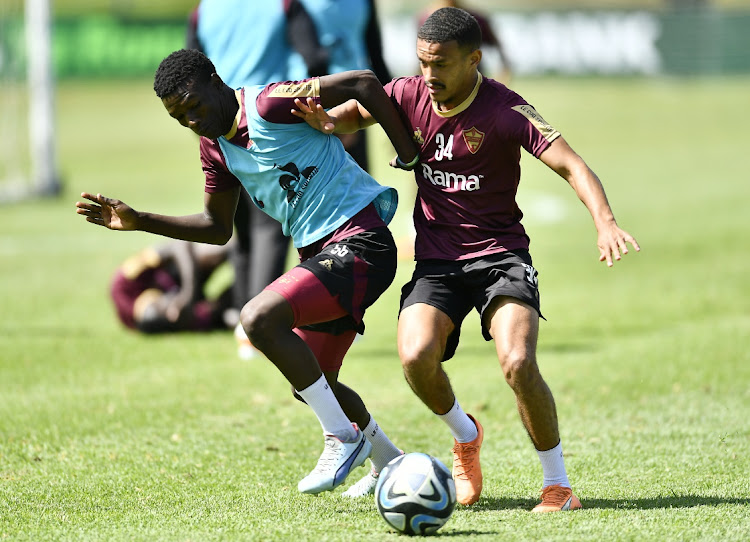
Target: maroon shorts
pixel 355 270
pixel 338 279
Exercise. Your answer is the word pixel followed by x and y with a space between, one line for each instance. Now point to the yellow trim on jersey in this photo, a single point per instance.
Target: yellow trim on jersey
pixel 233 131
pixel 549 133
pixel 306 89
pixel 463 106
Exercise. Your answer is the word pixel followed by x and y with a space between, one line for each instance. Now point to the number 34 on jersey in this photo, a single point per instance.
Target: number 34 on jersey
pixel 472 137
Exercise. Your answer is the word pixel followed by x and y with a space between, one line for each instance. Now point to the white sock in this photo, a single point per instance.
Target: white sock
pixel 463 429
pixel 553 466
pixel 383 450
pixel 320 398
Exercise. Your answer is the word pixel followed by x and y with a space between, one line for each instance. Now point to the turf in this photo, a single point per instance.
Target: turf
pixel 107 435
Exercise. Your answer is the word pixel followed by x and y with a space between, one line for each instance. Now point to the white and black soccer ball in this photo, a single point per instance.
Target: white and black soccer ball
pixel 415 494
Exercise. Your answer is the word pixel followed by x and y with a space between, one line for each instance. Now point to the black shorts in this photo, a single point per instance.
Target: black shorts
pixel 455 287
pixel 357 269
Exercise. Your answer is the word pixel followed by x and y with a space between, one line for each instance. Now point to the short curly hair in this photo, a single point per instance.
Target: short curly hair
pixel 179 69
pixel 449 24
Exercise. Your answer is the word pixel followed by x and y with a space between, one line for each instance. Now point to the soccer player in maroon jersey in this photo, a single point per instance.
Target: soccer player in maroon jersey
pixel 470 247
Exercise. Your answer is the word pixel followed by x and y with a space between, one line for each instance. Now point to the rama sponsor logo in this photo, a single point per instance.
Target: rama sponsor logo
pixel 456 181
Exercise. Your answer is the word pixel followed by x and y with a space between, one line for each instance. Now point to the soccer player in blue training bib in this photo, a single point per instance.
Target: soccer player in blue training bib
pixel 471 249
pixel 336 214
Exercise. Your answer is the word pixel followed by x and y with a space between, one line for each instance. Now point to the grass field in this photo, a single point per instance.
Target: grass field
pixel 107 435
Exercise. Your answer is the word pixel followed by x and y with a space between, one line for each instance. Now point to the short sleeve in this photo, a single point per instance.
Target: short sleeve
pixel 400 98
pixel 276 101
pixel 218 176
pixel 534 133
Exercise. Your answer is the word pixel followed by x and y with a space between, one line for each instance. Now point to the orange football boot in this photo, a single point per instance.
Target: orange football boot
pixel 557 498
pixel 467 473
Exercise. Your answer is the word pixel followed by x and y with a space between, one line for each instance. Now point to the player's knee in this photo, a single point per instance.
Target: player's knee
pixel 519 367
pixel 257 324
pixel 265 317
pixel 419 357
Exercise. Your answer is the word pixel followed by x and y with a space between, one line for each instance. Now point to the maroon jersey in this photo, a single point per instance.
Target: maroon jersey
pixel 469 168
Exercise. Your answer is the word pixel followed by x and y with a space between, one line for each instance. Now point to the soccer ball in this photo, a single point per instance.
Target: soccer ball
pixel 415 494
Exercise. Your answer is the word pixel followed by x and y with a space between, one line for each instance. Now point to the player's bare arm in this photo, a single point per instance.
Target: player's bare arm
pixel 370 97
pixel 358 101
pixel 213 225
pixel 346 118
pixel 612 240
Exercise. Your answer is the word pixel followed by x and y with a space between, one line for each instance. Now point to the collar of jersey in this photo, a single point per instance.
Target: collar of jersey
pixel 240 132
pixel 463 105
pixel 239 94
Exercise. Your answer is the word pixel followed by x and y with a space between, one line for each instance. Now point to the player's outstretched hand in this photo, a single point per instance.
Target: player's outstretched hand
pixel 613 243
pixel 314 115
pixel 107 212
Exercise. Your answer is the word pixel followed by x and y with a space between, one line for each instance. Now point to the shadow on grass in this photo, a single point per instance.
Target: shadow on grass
pixel 488 349
pixel 462 533
pixel 569 347
pixel 672 501
pixel 677 501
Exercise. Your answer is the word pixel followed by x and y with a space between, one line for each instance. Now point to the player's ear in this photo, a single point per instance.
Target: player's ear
pixel 475 56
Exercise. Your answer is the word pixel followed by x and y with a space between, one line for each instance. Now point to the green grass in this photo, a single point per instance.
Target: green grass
pixel 107 435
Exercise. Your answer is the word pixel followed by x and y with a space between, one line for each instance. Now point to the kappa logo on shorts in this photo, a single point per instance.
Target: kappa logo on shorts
pixel 328 264
pixel 531 275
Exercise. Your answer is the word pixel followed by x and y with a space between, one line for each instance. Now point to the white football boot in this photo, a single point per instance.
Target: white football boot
pixel 335 463
pixel 364 487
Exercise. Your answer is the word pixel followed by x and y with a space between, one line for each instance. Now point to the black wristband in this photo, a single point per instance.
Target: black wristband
pixel 410 165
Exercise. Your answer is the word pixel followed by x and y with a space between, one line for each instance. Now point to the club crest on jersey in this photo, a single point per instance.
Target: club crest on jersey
pixel 418 136
pixel 473 139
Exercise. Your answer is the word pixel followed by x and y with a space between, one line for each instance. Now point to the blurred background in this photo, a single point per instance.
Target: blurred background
pixel 649 361
pixel 634 85
pixel 44 43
